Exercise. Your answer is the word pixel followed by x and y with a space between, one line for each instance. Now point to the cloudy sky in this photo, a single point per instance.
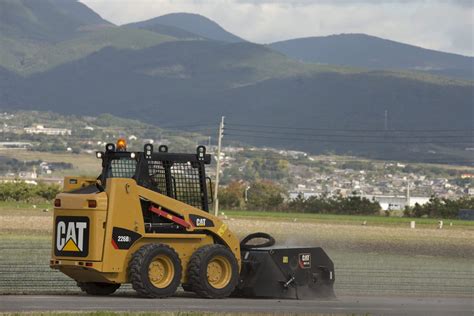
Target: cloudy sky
pixel 446 25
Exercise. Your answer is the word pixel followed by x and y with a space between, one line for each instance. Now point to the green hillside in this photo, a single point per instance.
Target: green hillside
pixel 26 57
pixel 198 81
pixel 94 67
pixel 46 20
pixel 188 25
pixel 37 35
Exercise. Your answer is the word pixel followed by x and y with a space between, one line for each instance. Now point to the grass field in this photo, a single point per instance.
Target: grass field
pixel 11 207
pixel 352 219
pixel 380 258
pixel 83 164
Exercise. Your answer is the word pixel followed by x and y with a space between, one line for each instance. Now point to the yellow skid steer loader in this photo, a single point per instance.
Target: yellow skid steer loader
pixel 145 221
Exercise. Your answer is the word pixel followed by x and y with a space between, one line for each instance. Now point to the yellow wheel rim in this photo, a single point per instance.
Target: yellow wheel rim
pixel 219 272
pixel 161 271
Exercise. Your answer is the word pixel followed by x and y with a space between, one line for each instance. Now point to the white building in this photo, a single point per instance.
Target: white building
pixel 392 202
pixel 40 129
pixel 305 194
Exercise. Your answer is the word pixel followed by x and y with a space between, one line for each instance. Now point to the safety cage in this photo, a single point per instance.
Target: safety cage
pixel 176 175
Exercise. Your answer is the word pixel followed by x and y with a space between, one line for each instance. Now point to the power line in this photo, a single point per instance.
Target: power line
pixel 348 130
pixel 348 141
pixel 350 136
pixel 367 160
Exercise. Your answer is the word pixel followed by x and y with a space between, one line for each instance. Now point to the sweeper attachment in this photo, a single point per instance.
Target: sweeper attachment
pixel 284 272
pixel 145 221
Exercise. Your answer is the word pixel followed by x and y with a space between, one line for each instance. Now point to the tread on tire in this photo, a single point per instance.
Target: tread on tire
pixel 197 271
pixel 139 271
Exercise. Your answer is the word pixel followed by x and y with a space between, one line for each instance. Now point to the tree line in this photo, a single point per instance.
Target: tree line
pixel 267 196
pixel 440 207
pixel 264 195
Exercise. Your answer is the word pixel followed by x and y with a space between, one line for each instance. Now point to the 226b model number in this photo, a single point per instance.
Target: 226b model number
pixel 123 238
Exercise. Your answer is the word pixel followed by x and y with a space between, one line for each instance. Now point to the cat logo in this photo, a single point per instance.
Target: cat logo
pixel 200 222
pixel 72 236
pixel 304 260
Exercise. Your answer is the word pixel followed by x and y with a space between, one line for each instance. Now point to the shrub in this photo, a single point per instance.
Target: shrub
pixel 16 191
pixel 264 195
pixel 231 197
pixel 21 191
pixel 352 205
pixel 47 192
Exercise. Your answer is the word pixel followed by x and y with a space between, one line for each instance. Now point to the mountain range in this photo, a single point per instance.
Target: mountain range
pixel 195 26
pixel 364 51
pixel 58 55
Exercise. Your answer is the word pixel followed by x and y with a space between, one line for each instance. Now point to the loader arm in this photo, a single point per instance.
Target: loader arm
pixel 198 220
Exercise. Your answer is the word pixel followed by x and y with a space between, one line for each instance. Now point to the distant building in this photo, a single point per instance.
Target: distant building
pixel 392 202
pixel 28 174
pixel 40 129
pixel 305 194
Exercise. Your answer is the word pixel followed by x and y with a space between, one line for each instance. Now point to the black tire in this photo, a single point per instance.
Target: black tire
pixel 187 287
pixel 98 288
pixel 139 271
pixel 198 274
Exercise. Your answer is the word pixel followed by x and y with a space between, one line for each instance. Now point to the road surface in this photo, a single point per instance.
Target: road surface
pixel 343 305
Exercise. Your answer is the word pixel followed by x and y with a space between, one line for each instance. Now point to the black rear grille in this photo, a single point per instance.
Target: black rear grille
pixel 184 181
pixel 122 168
pixel 179 176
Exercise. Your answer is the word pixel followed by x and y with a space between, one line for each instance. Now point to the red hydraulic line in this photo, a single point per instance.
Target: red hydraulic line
pixel 172 218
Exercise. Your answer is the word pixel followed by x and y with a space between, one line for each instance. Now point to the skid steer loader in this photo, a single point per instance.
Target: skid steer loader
pixel 145 221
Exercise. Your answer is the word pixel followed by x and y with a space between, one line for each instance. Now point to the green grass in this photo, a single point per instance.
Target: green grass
pixel 30 206
pixel 348 219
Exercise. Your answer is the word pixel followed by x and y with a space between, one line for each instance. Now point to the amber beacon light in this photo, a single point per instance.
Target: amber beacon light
pixel 121 144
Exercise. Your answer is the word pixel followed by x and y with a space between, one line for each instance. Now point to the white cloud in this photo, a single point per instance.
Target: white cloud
pixel 437 24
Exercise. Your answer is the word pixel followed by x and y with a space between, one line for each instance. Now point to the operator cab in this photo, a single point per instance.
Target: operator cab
pixel 176 175
pixel 179 176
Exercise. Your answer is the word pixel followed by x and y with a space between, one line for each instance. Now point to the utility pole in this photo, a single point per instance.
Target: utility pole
pixel 408 194
pixel 246 193
pixel 218 166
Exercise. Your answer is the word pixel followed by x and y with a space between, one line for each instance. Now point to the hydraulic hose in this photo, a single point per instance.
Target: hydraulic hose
pixel 245 246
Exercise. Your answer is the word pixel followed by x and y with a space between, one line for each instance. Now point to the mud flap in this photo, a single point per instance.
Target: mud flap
pixel 288 273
